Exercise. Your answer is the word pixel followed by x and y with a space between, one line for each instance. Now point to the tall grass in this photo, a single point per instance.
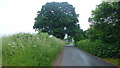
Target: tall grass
pixel 25 49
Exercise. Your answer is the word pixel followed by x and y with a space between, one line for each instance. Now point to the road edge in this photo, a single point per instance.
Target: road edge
pixel 58 59
pixel 96 56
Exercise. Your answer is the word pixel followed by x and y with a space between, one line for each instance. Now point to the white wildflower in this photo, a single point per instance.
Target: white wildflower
pixel 50 36
pixel 25 35
pixel 37 38
pixel 34 46
pixel 10 44
pixel 11 52
pixel 13 43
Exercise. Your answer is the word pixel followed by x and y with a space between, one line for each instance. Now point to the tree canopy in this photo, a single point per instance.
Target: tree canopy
pixel 104 31
pixel 105 22
pixel 58 19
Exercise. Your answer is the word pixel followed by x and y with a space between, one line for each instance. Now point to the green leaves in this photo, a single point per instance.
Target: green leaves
pixel 99 48
pixel 105 22
pixel 54 17
pixel 103 34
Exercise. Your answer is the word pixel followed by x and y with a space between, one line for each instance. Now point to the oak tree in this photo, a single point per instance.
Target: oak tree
pixel 58 19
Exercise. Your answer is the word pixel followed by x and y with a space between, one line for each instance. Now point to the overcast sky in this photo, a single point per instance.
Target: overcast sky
pixel 18 15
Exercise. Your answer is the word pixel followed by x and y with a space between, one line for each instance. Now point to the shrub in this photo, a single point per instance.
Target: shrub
pixel 99 48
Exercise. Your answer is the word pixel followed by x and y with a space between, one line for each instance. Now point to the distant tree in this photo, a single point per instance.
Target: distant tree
pixel 105 22
pixel 58 19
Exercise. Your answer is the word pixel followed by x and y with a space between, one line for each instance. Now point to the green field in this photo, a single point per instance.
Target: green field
pixel 25 49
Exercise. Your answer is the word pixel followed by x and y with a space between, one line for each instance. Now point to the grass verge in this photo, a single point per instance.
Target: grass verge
pixel 115 62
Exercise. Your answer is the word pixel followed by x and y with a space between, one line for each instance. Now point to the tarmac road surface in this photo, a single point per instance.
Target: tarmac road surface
pixel 73 56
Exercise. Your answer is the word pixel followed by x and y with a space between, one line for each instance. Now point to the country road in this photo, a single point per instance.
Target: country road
pixel 73 56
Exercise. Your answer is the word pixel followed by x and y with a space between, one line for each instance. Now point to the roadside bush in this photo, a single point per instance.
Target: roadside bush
pixel 99 48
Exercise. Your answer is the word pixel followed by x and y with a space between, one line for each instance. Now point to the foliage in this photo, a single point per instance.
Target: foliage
pixel 105 22
pixel 58 19
pixel 99 48
pixel 25 49
pixel 103 34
